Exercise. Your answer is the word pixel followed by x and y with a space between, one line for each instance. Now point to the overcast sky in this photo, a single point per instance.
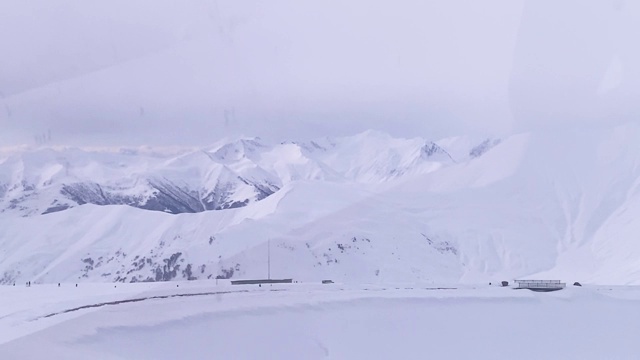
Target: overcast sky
pixel 166 72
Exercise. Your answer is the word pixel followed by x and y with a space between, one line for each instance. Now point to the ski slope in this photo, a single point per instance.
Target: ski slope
pixel 313 321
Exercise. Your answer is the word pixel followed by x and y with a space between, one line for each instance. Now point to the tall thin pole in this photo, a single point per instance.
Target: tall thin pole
pixel 269 259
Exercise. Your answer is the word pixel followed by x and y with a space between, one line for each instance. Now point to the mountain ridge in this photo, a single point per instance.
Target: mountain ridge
pixel 228 175
pixel 545 204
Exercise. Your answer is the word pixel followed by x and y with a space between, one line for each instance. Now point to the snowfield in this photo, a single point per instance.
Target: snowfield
pixel 307 321
pixel 368 211
pixel 368 208
pixel 226 140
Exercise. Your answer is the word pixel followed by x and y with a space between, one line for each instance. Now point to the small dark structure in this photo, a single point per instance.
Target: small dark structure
pixel 540 285
pixel 577 284
pixel 327 281
pixel 505 283
pixel 263 281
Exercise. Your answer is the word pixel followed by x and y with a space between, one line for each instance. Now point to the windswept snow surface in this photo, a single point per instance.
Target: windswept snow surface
pixel 366 208
pixel 309 321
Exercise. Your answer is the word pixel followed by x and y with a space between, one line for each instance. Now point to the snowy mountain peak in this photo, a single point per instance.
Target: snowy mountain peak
pixel 231 174
pixel 239 149
pixel 434 152
pixel 360 208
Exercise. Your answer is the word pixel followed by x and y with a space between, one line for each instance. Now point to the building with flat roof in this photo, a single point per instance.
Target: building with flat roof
pixel 540 285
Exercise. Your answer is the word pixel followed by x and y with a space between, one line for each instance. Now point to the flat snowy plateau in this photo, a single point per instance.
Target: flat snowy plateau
pixel 202 320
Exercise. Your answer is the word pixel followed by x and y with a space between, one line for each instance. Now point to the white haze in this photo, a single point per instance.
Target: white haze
pixel 163 72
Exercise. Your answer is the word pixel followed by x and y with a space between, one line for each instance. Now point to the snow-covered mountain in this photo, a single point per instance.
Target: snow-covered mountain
pixel 229 175
pixel 365 208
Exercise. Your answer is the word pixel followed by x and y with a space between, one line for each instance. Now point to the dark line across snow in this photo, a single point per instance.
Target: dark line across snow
pixel 119 302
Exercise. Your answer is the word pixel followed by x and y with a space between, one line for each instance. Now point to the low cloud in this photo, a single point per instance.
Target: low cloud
pixel 194 72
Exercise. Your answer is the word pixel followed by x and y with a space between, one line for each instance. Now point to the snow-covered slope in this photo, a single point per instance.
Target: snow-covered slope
pixel 366 208
pixel 228 175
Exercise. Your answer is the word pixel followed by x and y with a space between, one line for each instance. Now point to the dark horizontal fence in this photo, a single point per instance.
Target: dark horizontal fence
pixel 262 281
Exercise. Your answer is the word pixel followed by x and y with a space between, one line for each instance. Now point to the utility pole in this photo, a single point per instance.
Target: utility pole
pixel 269 259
